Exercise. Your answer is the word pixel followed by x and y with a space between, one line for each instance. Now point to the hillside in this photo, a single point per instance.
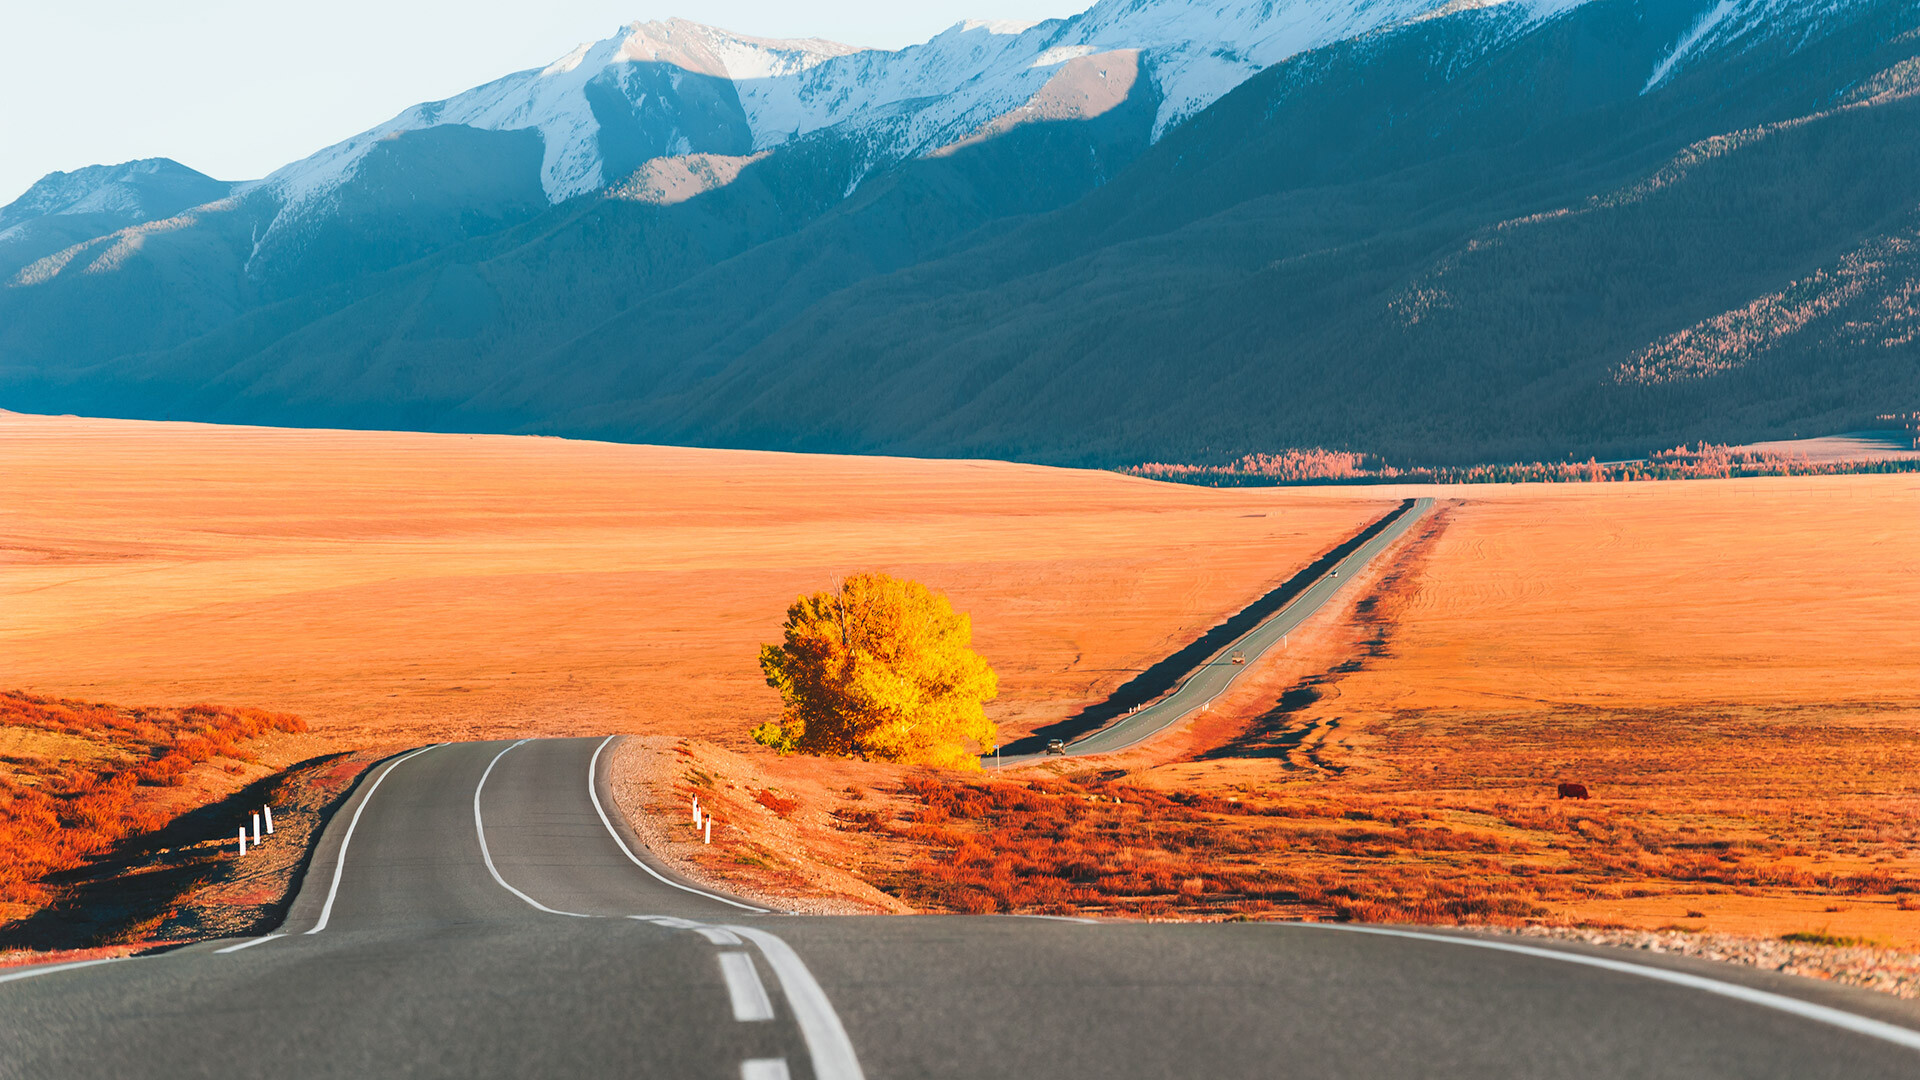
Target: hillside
pixel 1436 232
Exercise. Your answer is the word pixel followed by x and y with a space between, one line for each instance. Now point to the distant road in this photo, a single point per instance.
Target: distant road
pixel 470 913
pixel 1213 678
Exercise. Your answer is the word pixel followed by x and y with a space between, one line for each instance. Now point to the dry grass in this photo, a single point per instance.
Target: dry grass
pixel 1729 666
pixel 400 588
pixel 93 784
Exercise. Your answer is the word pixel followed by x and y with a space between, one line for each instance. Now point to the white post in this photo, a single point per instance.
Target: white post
pixel 269 812
pixel 256 829
pixel 243 839
pixel 709 838
pixel 696 811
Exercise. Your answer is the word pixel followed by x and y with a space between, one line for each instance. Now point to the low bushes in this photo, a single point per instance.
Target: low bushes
pixel 56 811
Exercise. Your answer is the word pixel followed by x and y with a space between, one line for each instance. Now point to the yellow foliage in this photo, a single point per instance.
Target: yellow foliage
pixel 882 669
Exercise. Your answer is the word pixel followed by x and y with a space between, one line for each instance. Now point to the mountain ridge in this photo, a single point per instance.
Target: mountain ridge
pixel 1457 236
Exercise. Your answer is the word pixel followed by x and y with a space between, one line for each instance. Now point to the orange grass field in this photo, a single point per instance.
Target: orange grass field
pixel 1732 668
pixel 397 588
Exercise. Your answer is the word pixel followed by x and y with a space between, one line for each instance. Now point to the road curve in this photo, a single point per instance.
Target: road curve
pixel 472 913
pixel 1214 677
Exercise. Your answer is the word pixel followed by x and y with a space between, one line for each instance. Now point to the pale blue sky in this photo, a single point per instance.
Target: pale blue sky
pixel 237 88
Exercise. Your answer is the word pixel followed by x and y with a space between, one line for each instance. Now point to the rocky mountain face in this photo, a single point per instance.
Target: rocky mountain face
pixel 1162 229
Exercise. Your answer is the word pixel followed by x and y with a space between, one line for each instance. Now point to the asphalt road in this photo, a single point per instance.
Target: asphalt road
pixel 1213 678
pixel 470 913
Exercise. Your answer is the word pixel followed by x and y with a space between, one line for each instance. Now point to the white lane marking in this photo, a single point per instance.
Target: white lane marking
pixel 1859 1025
pixel 48 969
pixel 827 1042
pixel 749 997
pixel 1057 918
pixel 604 820
pixel 340 860
pixel 248 944
pixel 717 936
pixel 480 830
pixel 765 1069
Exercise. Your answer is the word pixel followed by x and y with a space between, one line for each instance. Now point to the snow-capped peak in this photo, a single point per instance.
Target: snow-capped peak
pixel 750 94
pixel 134 191
pixel 555 101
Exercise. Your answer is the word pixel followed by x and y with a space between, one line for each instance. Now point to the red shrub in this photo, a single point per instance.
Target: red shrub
pixel 53 816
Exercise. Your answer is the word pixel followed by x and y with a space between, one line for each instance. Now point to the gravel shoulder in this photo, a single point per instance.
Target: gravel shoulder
pixel 1889 971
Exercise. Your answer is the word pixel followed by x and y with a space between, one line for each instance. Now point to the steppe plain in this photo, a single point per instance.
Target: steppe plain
pixel 1731 666
pixel 397 588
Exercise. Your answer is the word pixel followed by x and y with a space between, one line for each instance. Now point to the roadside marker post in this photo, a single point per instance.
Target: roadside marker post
pixel 268 810
pixel 243 839
pixel 256 830
pixel 709 838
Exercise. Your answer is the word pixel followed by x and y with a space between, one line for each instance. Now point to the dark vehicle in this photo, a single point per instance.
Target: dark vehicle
pixel 1055 746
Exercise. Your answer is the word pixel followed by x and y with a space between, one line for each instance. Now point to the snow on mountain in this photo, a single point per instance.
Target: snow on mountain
pixel 913 101
pixel 678 88
pixel 132 192
pixel 557 101
pixel 1739 24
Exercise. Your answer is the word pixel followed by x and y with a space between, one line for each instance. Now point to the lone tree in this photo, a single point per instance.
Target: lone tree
pixel 882 669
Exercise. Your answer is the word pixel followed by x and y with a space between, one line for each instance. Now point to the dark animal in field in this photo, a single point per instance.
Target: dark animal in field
pixel 1573 791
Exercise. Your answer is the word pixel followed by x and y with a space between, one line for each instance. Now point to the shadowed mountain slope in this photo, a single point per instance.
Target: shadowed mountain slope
pixel 1505 231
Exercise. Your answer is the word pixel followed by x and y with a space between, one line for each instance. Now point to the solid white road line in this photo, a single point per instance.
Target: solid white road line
pixel 749 997
pixel 1859 1025
pixel 593 794
pixel 340 860
pixel 827 1042
pixel 1057 918
pixel 247 944
pixel 765 1069
pixel 480 829
pixel 49 969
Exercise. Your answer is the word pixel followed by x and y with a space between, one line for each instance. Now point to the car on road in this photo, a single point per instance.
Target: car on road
pixel 1239 657
pixel 1056 746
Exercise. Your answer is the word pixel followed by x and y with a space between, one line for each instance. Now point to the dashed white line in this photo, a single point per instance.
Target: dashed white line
pixel 1859 1025
pixel 592 767
pixel 247 944
pixel 749 997
pixel 480 829
pixel 827 1042
pixel 340 860
pixel 765 1069
pixel 49 969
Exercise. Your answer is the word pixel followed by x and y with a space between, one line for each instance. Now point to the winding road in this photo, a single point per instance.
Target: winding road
pixel 476 910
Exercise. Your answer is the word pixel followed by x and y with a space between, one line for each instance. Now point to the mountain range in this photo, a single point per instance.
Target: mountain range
pixel 1441 231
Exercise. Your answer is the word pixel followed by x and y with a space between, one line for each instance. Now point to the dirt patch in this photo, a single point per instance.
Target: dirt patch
pixel 776 832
